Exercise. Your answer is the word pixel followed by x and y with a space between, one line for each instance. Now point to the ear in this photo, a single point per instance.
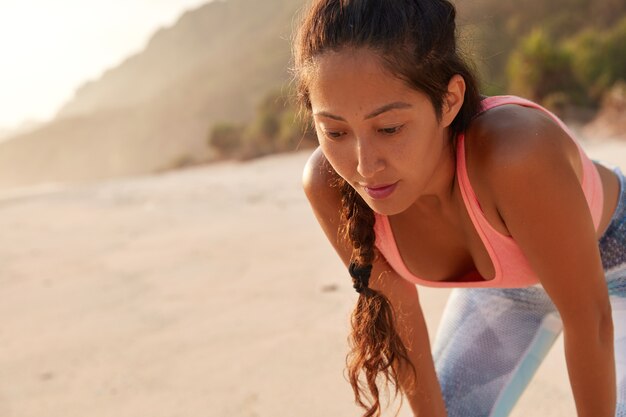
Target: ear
pixel 453 100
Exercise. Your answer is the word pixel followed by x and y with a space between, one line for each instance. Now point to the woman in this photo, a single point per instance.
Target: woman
pixel 418 179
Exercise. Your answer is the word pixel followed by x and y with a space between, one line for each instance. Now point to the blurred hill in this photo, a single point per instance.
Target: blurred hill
pixel 22 128
pixel 214 75
pixel 154 110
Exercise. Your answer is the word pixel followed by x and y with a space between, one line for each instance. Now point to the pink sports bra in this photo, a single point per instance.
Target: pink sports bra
pixel 512 269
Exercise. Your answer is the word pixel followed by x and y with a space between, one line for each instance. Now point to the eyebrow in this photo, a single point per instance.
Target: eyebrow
pixel 377 112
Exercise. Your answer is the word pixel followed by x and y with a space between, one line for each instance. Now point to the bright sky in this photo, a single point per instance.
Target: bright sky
pixel 50 47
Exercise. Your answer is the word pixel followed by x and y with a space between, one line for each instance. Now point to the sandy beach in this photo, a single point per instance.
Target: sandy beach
pixel 204 292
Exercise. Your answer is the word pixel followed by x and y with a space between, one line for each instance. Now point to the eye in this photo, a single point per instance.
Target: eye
pixel 334 134
pixel 390 130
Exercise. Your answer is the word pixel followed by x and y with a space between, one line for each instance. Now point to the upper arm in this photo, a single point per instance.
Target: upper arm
pixel 325 200
pixel 539 196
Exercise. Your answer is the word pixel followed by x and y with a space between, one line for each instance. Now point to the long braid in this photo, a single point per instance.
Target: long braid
pixel 375 346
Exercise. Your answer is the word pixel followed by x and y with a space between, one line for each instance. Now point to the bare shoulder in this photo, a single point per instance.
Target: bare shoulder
pixel 510 141
pixel 325 199
pixel 531 167
pixel 317 175
pixel 318 179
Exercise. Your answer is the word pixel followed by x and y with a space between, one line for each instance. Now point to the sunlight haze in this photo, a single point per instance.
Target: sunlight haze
pixel 49 48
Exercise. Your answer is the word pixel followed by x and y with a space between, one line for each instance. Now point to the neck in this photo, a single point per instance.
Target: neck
pixel 439 197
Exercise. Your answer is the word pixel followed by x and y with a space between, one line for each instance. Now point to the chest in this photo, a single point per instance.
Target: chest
pixel 445 244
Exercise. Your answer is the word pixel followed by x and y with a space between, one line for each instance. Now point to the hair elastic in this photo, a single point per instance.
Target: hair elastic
pixel 361 275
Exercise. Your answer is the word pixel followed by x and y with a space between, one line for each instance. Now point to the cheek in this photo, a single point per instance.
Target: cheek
pixel 415 157
pixel 339 156
pixel 409 151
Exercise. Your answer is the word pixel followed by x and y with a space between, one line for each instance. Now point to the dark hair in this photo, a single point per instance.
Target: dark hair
pixel 416 40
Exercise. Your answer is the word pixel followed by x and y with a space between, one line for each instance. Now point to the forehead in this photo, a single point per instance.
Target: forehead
pixel 347 57
pixel 352 78
pixel 356 65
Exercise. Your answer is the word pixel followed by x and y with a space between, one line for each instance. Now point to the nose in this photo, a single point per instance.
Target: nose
pixel 369 159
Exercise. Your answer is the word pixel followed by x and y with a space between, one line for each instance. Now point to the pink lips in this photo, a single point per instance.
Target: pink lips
pixel 380 192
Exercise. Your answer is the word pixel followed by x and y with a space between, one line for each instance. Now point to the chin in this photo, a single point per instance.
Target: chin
pixel 385 208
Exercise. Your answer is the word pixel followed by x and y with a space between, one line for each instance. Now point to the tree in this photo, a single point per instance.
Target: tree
pixel 599 59
pixel 539 67
pixel 225 139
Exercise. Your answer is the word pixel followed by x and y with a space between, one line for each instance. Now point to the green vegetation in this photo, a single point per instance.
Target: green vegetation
pixel 577 70
pixel 539 68
pixel 561 52
pixel 599 58
pixel 278 126
pixel 226 139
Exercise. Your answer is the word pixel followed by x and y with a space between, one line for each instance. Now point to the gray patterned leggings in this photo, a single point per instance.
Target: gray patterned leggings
pixel 491 341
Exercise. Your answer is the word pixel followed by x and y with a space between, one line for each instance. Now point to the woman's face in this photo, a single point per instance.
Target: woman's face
pixel 380 135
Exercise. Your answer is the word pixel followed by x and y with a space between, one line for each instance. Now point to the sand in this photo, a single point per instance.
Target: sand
pixel 204 292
